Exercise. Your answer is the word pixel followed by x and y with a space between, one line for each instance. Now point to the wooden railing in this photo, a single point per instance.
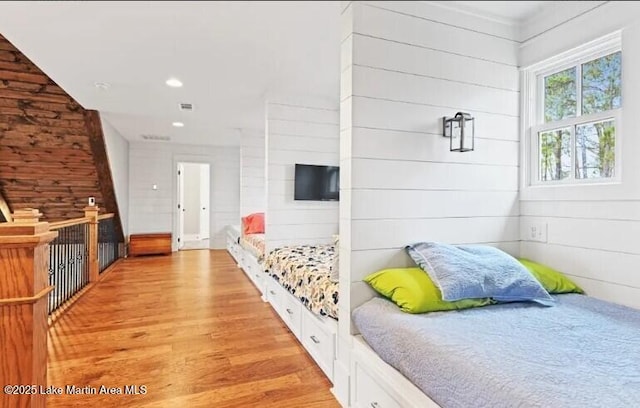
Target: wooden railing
pixel 85 248
pixel 68 260
pixel 110 247
pixel 44 268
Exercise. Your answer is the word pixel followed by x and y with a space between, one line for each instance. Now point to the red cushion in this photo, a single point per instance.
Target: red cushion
pixel 253 224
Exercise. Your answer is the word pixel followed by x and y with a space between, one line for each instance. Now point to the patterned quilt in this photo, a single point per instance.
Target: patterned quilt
pixel 254 243
pixel 305 271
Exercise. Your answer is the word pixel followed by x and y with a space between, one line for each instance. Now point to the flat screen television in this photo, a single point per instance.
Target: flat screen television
pixel 317 183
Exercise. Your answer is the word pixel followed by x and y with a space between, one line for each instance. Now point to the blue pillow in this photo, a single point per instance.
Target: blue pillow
pixel 477 271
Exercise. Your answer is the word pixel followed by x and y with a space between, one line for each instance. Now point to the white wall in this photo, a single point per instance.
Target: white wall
pixel 191 199
pixel 593 233
pixel 156 163
pixel 306 135
pixel 118 154
pixel 406 65
pixel 252 170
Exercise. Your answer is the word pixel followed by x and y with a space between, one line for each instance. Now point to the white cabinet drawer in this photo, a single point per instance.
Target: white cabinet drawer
pixel 369 394
pixel 256 274
pixel 247 266
pixel 292 314
pixel 274 294
pixel 319 342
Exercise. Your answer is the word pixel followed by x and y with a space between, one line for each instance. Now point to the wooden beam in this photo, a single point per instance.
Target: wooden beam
pixel 103 169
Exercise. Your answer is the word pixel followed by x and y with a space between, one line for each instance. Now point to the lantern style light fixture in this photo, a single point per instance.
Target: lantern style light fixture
pixel 460 131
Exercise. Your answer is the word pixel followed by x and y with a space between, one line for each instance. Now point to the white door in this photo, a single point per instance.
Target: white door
pixel 181 208
pixel 204 201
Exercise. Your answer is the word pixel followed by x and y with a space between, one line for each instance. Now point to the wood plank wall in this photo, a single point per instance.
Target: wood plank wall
pixel 46 160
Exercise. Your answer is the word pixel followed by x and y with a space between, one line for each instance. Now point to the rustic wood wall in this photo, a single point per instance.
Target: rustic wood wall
pixel 46 156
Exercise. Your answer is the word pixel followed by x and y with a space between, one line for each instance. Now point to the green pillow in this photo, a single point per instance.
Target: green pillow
pixel 552 280
pixel 414 292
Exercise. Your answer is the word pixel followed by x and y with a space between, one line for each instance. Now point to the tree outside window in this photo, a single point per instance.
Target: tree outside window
pixel 582 100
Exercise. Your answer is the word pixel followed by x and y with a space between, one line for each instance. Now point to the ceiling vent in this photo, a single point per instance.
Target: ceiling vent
pixel 187 107
pixel 157 138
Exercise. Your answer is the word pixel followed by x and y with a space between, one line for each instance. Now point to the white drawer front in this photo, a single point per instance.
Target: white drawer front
pixel 254 270
pixel 319 342
pixel 369 394
pixel 274 294
pixel 292 314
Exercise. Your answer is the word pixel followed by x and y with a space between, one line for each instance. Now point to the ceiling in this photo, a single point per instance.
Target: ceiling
pixel 231 57
pixel 512 12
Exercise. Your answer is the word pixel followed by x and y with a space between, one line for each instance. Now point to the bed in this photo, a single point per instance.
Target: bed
pixel 305 271
pixel 582 352
pixel 254 244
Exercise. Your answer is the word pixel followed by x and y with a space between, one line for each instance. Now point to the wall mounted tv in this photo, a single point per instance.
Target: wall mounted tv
pixel 317 183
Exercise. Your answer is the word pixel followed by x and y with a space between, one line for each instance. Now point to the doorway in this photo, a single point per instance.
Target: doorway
pixel 193 205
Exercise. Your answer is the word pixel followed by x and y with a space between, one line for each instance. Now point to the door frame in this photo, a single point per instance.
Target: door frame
pixel 189 158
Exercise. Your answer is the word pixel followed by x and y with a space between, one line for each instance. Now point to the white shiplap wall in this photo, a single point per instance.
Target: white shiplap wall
pixel 406 65
pixel 305 135
pixel 118 153
pixel 252 169
pixel 156 163
pixel 593 232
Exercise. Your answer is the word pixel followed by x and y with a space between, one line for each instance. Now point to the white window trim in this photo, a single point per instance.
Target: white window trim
pixel 615 114
pixel 533 108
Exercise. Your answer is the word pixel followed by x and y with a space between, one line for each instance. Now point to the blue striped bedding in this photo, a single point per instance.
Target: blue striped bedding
pixel 583 352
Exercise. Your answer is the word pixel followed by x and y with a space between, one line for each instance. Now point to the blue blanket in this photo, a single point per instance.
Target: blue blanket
pixel 476 272
pixel 582 353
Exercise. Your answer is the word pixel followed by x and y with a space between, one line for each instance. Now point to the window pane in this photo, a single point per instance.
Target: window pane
pixel 595 149
pixel 601 82
pixel 560 95
pixel 555 154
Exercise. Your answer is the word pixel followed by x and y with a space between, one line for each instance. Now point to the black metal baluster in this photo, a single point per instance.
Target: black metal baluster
pixel 56 272
pixel 65 270
pixel 54 276
pixel 72 263
pixel 86 254
pixel 76 266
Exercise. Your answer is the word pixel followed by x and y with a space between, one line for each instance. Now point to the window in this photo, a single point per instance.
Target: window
pixel 573 127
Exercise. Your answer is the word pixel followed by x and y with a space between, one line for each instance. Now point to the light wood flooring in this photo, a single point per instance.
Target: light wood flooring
pixel 192 329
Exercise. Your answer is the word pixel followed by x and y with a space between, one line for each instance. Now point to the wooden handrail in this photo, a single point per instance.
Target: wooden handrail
pixel 67 223
pixel 26 296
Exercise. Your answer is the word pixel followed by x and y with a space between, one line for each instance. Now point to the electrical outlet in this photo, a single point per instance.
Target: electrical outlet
pixel 537 232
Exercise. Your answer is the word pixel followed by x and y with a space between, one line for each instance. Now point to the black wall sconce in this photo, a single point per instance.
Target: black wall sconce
pixel 460 130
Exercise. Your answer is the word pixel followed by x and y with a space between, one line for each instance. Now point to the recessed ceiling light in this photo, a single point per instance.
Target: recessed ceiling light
pixel 174 82
pixel 178 124
pixel 103 86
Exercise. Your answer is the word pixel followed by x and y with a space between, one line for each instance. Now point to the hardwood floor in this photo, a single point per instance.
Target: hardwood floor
pixel 192 329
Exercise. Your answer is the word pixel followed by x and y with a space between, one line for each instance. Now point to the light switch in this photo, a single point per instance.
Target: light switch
pixel 537 232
